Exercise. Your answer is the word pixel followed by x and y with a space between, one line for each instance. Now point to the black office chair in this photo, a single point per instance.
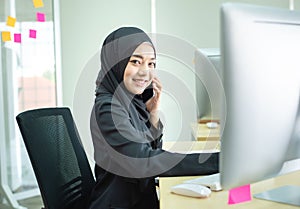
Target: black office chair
pixel 57 156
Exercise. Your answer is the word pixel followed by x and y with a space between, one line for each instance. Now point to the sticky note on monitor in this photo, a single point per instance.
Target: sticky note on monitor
pixel 11 21
pixel 5 36
pixel 239 194
pixel 38 3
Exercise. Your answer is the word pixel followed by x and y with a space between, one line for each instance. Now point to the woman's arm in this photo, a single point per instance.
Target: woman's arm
pixel 123 150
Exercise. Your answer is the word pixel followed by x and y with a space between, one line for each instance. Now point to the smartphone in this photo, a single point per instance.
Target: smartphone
pixel 148 93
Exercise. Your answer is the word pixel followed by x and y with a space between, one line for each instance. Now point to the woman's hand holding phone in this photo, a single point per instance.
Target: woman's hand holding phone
pixel 153 103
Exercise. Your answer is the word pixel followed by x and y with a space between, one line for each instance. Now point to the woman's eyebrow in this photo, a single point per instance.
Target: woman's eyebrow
pixel 141 57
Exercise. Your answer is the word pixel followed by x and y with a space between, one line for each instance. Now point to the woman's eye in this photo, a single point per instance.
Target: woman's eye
pixel 136 62
pixel 152 64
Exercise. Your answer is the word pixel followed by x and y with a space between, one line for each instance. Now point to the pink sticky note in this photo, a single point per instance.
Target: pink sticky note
pixel 17 37
pixel 239 195
pixel 32 33
pixel 40 17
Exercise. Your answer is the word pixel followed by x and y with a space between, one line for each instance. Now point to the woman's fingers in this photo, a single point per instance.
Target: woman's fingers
pixel 156 85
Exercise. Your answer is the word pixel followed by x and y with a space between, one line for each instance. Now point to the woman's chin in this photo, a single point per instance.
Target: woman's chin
pixel 137 91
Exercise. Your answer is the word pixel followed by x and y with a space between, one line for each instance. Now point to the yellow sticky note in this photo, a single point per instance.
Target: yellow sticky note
pixel 6 36
pixel 10 21
pixel 38 3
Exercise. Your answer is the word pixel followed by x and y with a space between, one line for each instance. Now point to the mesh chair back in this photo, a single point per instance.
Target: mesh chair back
pixel 57 156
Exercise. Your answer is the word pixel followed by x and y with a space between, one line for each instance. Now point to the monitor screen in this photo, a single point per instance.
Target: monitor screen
pixel 260 48
pixel 209 88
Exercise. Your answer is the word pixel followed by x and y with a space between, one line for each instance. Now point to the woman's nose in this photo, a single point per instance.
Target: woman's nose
pixel 143 70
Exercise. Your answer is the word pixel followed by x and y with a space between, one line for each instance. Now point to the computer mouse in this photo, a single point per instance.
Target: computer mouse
pixel 191 190
pixel 211 181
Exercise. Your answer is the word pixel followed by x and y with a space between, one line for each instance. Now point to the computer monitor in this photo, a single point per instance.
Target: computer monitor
pixel 209 88
pixel 260 49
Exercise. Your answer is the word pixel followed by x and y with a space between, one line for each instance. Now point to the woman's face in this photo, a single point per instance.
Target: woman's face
pixel 139 70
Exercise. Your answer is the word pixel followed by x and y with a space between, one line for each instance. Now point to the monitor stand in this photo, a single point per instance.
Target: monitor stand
pixel 286 194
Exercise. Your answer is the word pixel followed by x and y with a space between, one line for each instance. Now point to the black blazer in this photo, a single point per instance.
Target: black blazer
pixel 115 190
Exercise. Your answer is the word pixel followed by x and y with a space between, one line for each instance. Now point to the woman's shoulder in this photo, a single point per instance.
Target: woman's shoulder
pixel 106 101
pixel 103 97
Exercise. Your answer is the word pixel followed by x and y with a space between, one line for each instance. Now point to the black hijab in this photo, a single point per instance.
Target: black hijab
pixel 116 51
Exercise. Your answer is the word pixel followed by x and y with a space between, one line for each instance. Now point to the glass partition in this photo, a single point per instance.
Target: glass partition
pixel 28 80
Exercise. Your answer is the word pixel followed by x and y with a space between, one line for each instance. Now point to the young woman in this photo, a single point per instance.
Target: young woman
pixel 126 129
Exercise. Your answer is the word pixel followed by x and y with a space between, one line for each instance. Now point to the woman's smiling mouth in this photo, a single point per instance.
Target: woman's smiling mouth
pixel 140 82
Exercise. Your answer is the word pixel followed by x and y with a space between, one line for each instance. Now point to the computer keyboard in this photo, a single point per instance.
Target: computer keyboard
pixel 211 181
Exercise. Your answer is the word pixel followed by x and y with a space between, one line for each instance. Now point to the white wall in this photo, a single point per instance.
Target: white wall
pixel 85 24
pixel 194 24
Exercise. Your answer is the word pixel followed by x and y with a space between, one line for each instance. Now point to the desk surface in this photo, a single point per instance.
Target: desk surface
pixel 191 146
pixel 219 200
pixel 202 133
